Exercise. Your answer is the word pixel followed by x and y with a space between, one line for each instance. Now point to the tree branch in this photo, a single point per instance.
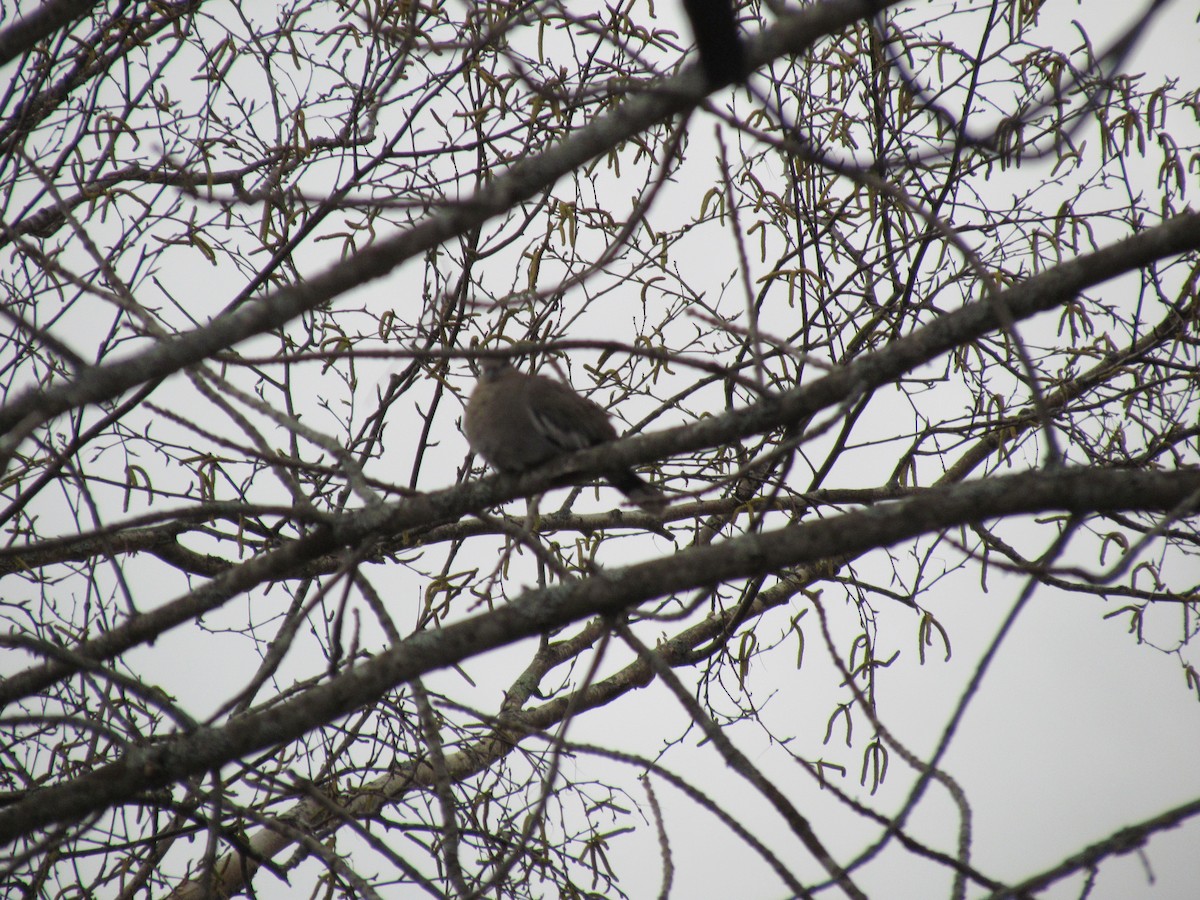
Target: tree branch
pixel 1080 491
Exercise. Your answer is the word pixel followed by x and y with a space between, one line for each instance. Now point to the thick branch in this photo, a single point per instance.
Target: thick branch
pixel 1038 294
pixel 38 24
pixel 1079 491
pixel 522 181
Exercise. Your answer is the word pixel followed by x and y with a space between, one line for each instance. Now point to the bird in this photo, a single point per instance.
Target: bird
pixel 714 23
pixel 517 422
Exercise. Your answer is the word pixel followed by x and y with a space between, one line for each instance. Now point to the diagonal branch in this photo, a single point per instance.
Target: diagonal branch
pixel 1038 294
pixel 525 179
pixel 1079 491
